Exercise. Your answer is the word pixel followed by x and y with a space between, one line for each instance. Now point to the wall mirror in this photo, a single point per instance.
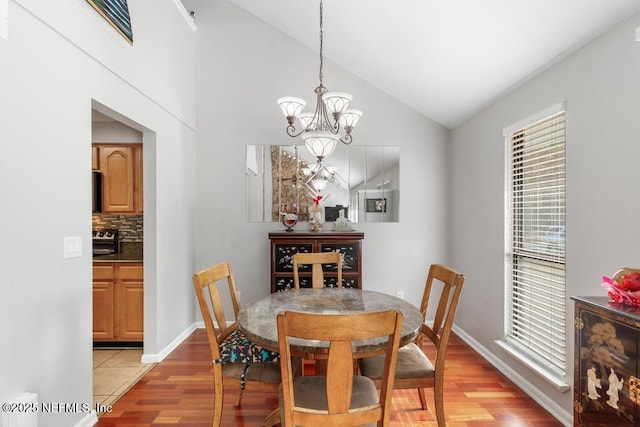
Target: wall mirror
pixel 362 180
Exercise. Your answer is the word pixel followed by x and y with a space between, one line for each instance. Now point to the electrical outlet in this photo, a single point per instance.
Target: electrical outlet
pixel 400 294
pixel 239 294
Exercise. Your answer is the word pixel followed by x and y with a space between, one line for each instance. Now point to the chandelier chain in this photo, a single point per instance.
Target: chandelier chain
pixel 321 44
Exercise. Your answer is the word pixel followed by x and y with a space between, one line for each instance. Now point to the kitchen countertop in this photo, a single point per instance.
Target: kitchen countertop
pixel 129 252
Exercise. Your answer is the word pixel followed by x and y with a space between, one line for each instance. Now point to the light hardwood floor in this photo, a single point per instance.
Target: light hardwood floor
pixel 178 391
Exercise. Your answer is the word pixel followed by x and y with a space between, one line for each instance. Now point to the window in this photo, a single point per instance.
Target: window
pixel 535 309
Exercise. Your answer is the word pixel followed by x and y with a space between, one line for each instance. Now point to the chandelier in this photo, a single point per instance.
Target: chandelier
pixel 321 130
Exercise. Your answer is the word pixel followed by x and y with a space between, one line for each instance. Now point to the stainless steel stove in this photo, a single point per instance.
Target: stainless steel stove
pixel 105 242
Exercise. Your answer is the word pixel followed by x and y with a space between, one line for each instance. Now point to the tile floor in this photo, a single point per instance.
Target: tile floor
pixel 114 372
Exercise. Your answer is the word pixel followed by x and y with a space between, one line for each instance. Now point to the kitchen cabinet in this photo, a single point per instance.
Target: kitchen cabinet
pixel 285 244
pixel 103 283
pixel 95 158
pixel 118 301
pixel 606 389
pixel 121 167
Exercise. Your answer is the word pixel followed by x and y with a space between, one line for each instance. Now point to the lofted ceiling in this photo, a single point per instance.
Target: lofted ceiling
pixel 445 59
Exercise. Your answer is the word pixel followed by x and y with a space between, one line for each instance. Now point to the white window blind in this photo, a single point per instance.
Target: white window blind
pixel 535 309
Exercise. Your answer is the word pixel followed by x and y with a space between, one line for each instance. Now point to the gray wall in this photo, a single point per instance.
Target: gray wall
pixel 601 87
pixel 243 66
pixel 60 60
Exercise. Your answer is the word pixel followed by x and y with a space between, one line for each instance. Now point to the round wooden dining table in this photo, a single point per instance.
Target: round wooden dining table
pixel 257 320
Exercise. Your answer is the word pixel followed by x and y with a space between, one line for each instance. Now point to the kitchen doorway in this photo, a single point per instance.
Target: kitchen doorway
pixel 118 280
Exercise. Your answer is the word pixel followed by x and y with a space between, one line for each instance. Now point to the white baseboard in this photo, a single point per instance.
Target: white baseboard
pixel 159 357
pixel 566 418
pixel 88 420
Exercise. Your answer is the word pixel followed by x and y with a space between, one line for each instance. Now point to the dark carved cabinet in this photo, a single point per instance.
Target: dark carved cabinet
pixel 285 244
pixel 606 388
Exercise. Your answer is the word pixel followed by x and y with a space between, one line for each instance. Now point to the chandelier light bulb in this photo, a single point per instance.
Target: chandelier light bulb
pixel 336 102
pixel 320 144
pixel 308 121
pixel 349 119
pixel 291 107
pixel 319 184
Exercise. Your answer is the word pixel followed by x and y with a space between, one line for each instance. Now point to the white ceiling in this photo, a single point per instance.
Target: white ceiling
pixel 446 59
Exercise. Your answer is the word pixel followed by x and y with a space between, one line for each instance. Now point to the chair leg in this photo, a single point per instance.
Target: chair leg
pixel 439 399
pixel 218 394
pixel 273 419
pixel 423 399
pixel 217 409
pixel 238 397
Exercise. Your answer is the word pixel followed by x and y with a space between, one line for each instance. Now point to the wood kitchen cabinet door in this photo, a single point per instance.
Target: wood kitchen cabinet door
pixel 129 317
pixel 137 180
pixel 102 311
pixel 103 303
pixel 121 167
pixel 117 166
pixel 95 158
pixel 129 303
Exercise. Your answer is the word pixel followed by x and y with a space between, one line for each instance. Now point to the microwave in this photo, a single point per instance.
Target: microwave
pixel 96 191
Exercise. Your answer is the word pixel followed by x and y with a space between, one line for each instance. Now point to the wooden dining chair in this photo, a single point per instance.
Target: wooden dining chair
pixel 414 369
pixel 260 377
pixel 340 398
pixel 316 260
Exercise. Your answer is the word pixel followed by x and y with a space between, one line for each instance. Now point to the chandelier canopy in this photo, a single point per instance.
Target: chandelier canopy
pixel 321 130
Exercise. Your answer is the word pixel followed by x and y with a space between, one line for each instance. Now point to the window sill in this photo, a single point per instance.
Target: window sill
pixel 554 380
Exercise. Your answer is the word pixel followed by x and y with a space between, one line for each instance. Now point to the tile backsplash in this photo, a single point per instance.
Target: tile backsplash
pixel 129 226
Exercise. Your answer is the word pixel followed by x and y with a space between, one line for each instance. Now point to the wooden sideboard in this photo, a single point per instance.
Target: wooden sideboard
pixel 606 390
pixel 285 244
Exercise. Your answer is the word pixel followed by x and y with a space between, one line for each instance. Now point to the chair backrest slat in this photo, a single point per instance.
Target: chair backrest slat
pixel 340 382
pixel 317 260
